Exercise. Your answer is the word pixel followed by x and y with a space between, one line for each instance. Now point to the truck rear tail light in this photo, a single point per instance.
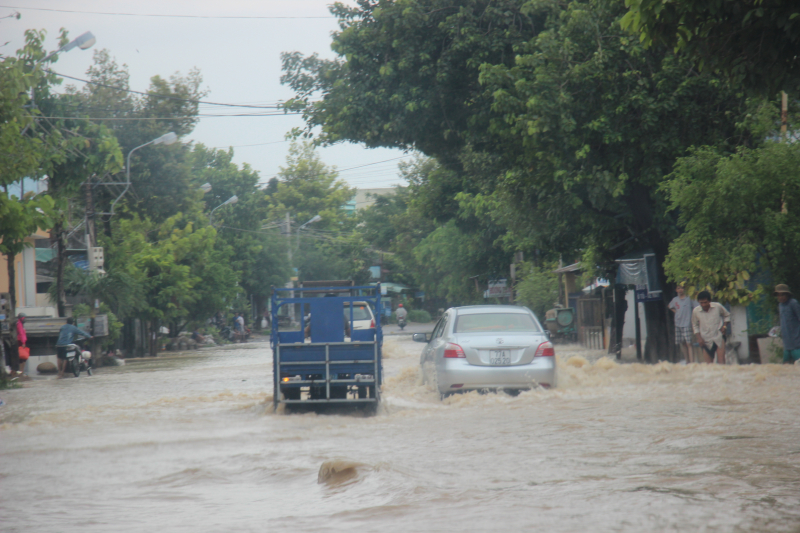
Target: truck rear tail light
pixel 372 324
pixel 545 350
pixel 453 351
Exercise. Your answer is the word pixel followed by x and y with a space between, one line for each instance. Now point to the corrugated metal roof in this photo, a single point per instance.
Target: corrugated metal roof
pixel 571 268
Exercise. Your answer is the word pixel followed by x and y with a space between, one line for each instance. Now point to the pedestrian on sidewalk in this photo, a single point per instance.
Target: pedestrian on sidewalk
pixel 709 322
pixel 789 311
pixel 22 342
pixel 682 307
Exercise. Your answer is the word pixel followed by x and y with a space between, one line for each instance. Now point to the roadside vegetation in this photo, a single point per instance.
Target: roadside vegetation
pixel 564 131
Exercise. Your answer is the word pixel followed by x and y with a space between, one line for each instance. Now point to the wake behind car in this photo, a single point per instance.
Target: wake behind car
pixel 488 347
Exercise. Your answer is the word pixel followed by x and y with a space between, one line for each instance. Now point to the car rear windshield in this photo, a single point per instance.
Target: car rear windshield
pixel 360 312
pixel 493 322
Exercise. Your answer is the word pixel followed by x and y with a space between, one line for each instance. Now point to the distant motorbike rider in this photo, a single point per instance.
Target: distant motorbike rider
pixel 401 312
pixel 66 336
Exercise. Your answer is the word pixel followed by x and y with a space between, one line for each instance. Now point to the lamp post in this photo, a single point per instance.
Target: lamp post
pixel 166 139
pixel 232 200
pixel 83 42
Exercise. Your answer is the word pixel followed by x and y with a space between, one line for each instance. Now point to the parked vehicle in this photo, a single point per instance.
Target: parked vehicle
pixel 78 359
pixel 486 347
pixel 331 368
pixel 363 317
pixel 560 322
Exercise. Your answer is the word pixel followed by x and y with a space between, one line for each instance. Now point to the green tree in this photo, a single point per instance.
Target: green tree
pixel 160 175
pixel 754 42
pixel 181 275
pixel 562 127
pixel 329 248
pixel 538 289
pixel 34 145
pixel 258 255
pixel 740 217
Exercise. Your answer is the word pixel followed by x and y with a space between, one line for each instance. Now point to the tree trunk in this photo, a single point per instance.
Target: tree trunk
pixel 12 282
pixel 153 338
pixel 61 260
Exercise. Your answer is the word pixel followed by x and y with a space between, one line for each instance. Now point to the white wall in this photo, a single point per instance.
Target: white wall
pixel 739 329
pixel 629 328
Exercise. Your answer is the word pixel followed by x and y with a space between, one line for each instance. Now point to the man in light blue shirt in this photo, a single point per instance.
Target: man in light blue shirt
pixel 66 336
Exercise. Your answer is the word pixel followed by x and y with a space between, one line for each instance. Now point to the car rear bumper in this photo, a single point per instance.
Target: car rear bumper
pixel 540 372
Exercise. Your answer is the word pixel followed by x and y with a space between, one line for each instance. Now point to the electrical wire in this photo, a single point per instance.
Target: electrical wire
pixel 161 15
pixel 337 170
pixel 166 97
pixel 173 118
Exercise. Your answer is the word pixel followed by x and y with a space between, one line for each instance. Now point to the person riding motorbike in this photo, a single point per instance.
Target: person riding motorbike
pixel 401 314
pixel 66 336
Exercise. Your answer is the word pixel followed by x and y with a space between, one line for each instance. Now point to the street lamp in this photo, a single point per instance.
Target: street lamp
pixel 316 218
pixel 166 139
pixel 82 41
pixel 232 200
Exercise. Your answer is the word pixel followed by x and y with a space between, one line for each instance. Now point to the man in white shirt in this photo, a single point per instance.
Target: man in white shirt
pixel 682 307
pixel 709 321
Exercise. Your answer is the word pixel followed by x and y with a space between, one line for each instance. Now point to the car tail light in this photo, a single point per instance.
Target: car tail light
pixel 372 324
pixel 453 351
pixel 545 350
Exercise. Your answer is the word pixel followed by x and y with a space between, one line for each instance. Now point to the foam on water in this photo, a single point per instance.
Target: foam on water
pixel 193 445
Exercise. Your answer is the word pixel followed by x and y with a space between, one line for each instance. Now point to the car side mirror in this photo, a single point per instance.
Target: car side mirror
pixel 419 337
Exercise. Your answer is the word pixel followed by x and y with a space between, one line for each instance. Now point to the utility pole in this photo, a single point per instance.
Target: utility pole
pixel 290 283
pixel 91 242
pixel 784 113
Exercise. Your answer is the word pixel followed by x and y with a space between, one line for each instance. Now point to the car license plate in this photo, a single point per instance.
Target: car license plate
pixel 499 357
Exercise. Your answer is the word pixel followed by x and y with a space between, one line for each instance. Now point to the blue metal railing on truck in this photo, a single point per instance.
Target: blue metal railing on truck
pixel 328 369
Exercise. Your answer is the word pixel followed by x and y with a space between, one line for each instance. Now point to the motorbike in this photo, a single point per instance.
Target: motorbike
pixel 78 359
pixel 402 323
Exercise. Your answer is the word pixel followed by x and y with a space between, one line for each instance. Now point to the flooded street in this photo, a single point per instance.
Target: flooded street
pixel 190 443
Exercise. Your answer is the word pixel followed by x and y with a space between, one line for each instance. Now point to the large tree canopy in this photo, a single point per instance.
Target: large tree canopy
pixel 756 42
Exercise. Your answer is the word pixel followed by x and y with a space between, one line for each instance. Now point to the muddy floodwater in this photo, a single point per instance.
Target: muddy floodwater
pixel 190 443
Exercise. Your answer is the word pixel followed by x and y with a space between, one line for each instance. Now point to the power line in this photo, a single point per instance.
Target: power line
pixel 246 145
pixel 175 117
pixel 166 97
pixel 339 170
pixel 161 15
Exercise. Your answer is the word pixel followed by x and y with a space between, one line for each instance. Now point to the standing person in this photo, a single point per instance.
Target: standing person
pixel 789 310
pixel 709 321
pixel 682 307
pixel 66 336
pixel 22 341
pixel 239 324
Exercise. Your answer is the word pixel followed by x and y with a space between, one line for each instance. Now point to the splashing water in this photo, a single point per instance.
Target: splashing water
pixel 192 444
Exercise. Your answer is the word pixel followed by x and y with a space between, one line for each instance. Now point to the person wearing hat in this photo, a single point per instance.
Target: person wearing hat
pixel 789 310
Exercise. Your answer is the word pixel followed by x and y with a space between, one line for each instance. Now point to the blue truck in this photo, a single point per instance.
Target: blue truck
pixel 325 359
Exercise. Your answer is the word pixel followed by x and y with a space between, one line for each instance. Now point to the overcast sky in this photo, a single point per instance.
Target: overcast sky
pixel 239 59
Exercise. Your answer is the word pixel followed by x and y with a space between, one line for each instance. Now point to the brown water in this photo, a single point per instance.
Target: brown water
pixel 191 444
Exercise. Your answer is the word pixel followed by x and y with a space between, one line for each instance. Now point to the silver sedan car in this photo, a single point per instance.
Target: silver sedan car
pixel 488 347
